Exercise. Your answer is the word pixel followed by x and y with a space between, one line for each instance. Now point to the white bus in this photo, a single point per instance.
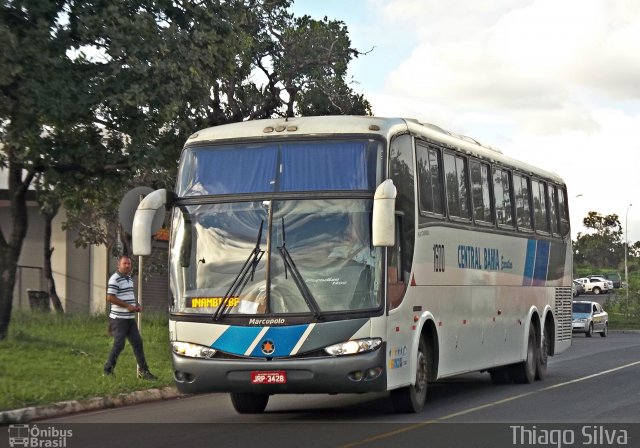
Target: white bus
pixel 357 254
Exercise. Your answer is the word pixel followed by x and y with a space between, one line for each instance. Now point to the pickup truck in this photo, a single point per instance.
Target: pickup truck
pixel 594 285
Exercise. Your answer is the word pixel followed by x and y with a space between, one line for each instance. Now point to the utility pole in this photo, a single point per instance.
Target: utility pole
pixel 626 249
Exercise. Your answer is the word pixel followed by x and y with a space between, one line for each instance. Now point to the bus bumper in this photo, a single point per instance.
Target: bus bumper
pixel 341 374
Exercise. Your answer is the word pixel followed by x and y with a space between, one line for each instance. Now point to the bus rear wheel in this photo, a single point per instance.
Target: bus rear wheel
pixel 543 357
pixel 525 372
pixel 245 403
pixel 410 399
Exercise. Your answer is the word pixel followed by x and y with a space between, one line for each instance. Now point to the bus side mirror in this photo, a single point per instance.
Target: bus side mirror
pixel 384 220
pixel 143 221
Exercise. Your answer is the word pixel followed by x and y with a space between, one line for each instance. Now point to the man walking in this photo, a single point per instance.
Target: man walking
pixel 122 323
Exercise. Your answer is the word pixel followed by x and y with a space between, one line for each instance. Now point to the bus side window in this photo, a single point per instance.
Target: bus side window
pixel 480 192
pixel 563 211
pixel 540 210
pixel 523 204
pixel 457 184
pixel 553 192
pixel 501 191
pixel 395 270
pixel 429 180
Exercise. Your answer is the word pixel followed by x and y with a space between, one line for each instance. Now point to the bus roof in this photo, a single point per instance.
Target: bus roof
pixel 294 127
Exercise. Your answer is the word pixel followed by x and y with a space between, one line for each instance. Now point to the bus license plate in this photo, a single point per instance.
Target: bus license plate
pixel 272 377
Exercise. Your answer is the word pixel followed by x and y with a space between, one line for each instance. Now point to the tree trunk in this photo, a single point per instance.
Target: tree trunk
pixel 8 269
pixel 48 251
pixel 10 249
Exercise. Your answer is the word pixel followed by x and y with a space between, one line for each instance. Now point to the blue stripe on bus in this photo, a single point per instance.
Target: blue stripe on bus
pixel 284 339
pixel 541 264
pixel 529 263
pixel 236 340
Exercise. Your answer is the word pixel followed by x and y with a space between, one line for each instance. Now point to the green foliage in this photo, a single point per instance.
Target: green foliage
pixel 602 249
pixel 97 96
pixel 49 358
pixel 625 313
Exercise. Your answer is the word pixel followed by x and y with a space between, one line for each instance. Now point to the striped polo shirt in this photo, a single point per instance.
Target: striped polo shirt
pixel 121 286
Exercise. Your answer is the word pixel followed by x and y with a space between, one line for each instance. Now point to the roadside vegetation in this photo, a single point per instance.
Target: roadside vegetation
pixel 49 358
pixel 602 250
pixel 623 314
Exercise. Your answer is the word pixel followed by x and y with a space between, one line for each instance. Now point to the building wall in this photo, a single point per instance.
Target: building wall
pixel 77 277
pixel 99 276
pixel 31 257
pixel 80 274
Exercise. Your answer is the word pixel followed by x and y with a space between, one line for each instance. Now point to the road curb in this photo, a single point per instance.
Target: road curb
pixel 26 415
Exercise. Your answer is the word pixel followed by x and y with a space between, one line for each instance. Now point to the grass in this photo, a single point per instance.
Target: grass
pixel 623 314
pixel 622 322
pixel 49 358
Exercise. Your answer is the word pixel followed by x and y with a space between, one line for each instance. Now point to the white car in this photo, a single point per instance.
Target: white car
pixel 593 286
pixel 599 278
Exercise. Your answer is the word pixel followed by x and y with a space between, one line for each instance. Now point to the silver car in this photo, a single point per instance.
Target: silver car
pixel 589 317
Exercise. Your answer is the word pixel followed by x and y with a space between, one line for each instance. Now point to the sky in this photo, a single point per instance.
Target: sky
pixel 555 83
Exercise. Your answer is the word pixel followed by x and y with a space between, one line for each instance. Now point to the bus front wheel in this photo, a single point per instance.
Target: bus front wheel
pixel 245 403
pixel 410 399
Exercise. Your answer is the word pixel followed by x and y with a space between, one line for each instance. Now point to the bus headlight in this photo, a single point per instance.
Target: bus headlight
pixel 192 350
pixel 353 347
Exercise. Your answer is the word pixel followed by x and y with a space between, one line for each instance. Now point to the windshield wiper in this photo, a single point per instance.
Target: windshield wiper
pixel 290 265
pixel 243 277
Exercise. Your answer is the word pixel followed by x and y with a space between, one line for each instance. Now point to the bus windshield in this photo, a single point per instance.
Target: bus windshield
pixel 327 165
pixel 320 259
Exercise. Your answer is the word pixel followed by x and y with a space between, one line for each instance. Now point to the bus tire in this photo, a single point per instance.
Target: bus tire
pixel 410 399
pixel 525 372
pixel 543 357
pixel 245 403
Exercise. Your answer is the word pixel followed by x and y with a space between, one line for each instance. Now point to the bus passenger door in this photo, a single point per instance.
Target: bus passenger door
pixel 399 331
pixel 396 281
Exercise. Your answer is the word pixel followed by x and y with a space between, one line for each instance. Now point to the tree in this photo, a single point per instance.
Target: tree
pixel 103 94
pixel 604 248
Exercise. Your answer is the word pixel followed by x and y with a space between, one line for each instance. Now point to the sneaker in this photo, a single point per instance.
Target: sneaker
pixel 108 372
pixel 146 375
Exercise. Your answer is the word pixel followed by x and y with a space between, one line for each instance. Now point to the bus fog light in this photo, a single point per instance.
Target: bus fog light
pixel 353 347
pixel 372 374
pixel 183 377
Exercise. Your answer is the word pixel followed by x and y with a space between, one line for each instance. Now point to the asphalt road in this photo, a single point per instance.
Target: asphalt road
pixel 593 389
